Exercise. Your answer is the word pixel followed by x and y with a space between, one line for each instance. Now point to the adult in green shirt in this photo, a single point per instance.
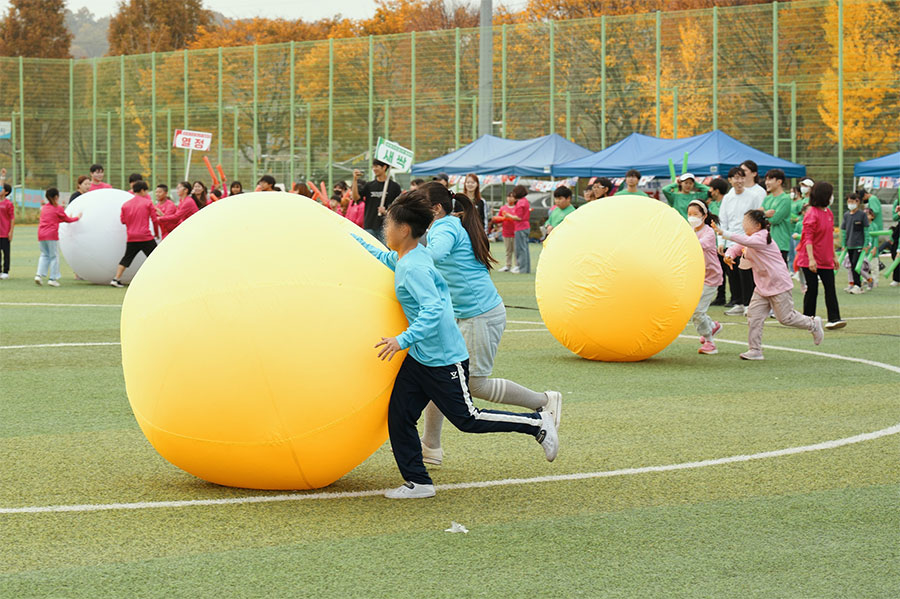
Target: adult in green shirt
pixel 873 204
pixel 562 197
pixel 895 238
pixel 632 178
pixel 683 191
pixel 777 207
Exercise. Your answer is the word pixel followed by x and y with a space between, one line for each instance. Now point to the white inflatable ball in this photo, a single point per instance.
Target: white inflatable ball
pixel 95 244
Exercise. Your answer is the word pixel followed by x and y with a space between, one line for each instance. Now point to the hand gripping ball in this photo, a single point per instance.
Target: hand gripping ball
pixel 94 245
pixel 619 279
pixel 248 344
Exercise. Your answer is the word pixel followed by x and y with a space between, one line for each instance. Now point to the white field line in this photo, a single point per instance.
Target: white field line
pixel 61 305
pixel 59 345
pixel 140 505
pixel 891 430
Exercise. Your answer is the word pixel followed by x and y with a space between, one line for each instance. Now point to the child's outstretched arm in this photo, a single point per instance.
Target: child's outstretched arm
pixel 389 259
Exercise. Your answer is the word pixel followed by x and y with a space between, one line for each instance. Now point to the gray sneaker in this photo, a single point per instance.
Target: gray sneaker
pixel 410 490
pixel 752 355
pixel 435 457
pixel 548 437
pixel 737 310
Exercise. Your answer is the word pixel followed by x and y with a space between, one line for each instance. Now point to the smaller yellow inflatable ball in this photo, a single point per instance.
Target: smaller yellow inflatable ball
pixel 619 279
pixel 248 344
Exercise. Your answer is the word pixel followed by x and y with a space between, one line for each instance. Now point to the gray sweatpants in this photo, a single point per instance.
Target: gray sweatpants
pixel 701 320
pixel 783 306
pixel 523 259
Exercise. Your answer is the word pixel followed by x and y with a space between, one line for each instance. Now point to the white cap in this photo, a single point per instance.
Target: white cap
pixel 685 177
pixel 806 182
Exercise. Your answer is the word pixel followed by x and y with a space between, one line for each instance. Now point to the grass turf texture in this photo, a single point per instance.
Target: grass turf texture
pixel 820 524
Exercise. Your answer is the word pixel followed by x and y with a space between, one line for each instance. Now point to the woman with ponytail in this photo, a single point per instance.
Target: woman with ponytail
pixel 461 253
pixel 773 282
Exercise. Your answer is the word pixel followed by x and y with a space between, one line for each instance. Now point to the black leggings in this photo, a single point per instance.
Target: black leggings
pixel 853 254
pixel 812 293
pixel 4 249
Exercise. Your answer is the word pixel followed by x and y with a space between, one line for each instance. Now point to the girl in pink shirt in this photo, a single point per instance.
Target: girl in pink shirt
pixel 700 219
pixel 188 206
pixel 815 254
pixel 48 236
pixel 356 212
pixel 773 282
pixel 509 230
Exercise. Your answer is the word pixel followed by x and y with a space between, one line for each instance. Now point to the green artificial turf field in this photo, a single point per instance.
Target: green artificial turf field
pixel 821 522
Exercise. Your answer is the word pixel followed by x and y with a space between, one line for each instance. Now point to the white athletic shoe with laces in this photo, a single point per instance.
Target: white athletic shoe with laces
pixel 503 269
pixel 554 406
pixel 410 490
pixel 548 437
pixel 736 310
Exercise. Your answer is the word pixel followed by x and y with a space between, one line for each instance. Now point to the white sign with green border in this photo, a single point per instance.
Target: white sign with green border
pixel 400 158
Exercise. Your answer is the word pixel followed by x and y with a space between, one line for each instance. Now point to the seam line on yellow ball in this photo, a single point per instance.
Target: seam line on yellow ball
pixel 834 444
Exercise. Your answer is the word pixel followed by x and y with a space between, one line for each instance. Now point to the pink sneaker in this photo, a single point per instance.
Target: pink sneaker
pixel 716 328
pixel 708 348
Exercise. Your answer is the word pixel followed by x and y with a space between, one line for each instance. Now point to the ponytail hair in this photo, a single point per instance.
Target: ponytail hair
pixel 437 194
pixel 759 217
pixel 201 199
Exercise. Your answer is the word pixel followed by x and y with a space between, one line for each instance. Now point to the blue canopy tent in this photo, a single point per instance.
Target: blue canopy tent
pixel 885 166
pixel 489 155
pixel 711 153
pixel 467 158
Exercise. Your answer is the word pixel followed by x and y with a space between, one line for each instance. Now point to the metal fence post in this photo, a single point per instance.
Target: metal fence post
pixel 219 109
pixel 121 120
pixel 255 152
pixel 292 108
pixel 94 110
pixel 552 79
pixel 330 111
pixel 412 91
pixel 455 93
pixel 840 190
pixel 153 118
pixel 603 82
pixel 775 78
pixel 71 123
pixel 568 115
pixel 503 80
pixel 309 141
pixel 371 127
pixel 658 68
pixel 186 89
pixel 715 69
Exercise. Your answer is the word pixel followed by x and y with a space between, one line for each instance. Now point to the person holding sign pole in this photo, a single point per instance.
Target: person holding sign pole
pixel 377 195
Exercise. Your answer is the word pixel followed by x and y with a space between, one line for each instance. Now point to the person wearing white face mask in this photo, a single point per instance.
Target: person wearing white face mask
pixel 854 225
pixel 699 218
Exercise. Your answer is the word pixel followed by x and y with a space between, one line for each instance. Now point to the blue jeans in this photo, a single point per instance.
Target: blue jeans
pixel 48 263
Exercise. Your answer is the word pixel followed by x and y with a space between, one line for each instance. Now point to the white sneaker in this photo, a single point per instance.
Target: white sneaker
pixel 837 324
pixel 818 333
pixel 895 284
pixel 514 270
pixel 746 310
pixel 736 310
pixel 4 275
pixel 849 288
pixel 53 283
pixel 752 355
pixel 554 406
pixel 431 456
pixel 37 279
pixel 856 290
pixel 504 269
pixel 796 276
pixel 410 490
pixel 116 283
pixel 771 313
pixel 548 437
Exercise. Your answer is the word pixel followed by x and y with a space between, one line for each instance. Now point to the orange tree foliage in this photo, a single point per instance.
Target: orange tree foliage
pixel 35 29
pixel 871 72
pixel 144 26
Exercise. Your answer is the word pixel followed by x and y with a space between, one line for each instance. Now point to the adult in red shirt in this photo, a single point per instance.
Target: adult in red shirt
pixel 97 178
pixel 815 254
pixel 165 205
pixel 522 217
pixel 187 204
pixel 7 222
pixel 137 214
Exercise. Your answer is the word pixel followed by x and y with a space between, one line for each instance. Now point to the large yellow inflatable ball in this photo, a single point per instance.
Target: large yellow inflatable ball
pixel 248 344
pixel 619 279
